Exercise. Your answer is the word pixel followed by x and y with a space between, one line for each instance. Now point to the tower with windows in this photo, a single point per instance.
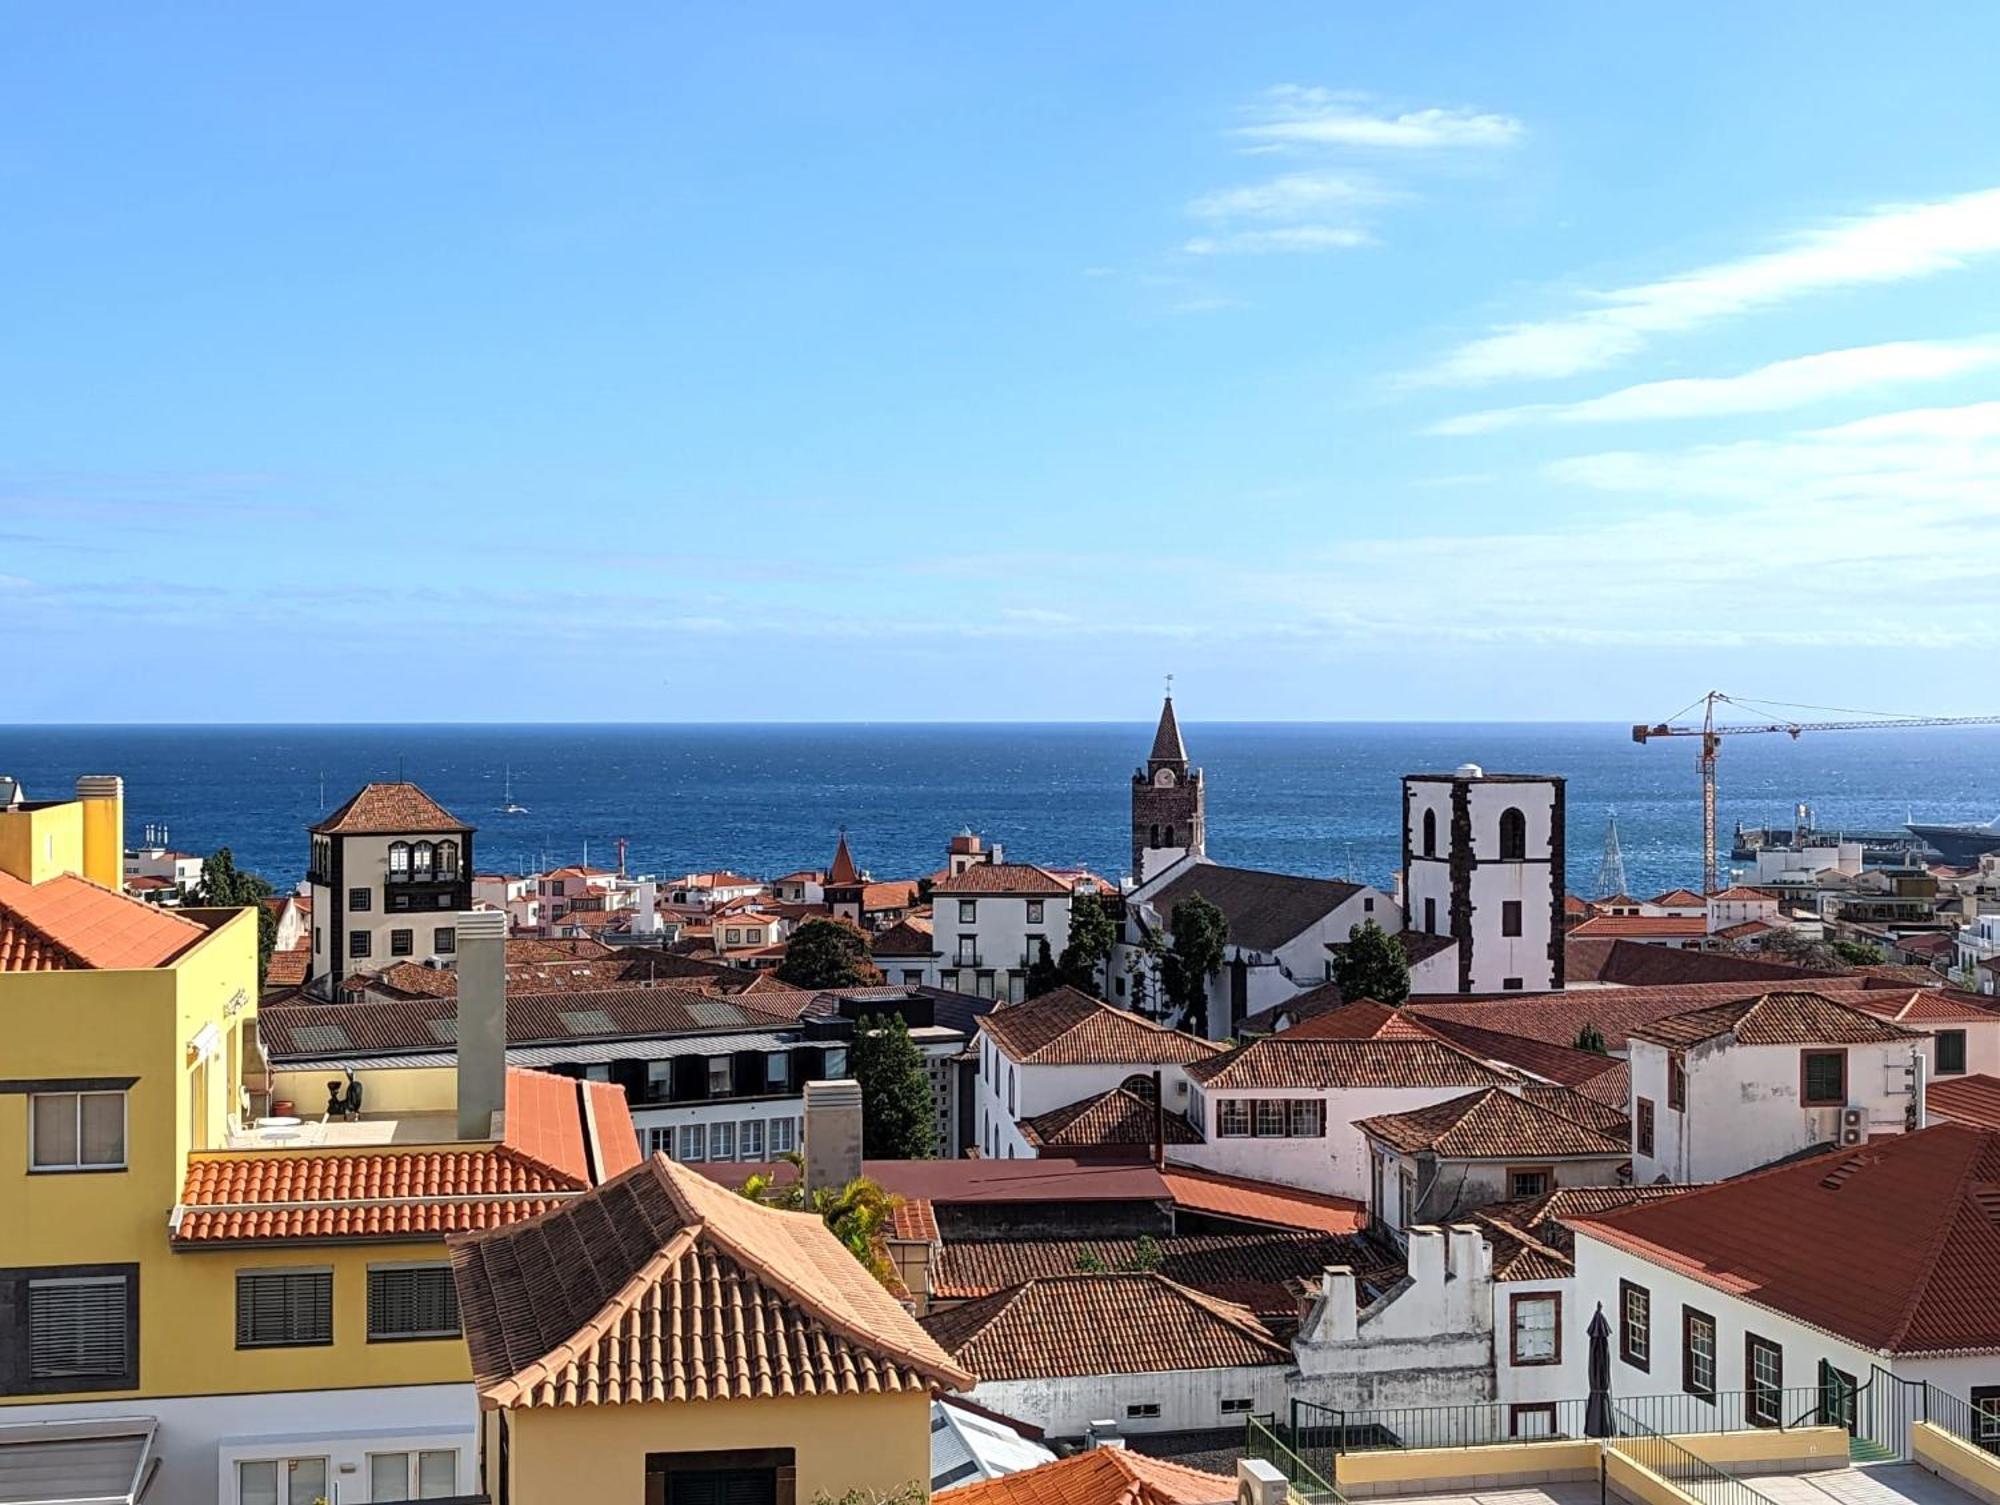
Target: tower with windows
pixel 1483 865
pixel 388 872
pixel 1169 803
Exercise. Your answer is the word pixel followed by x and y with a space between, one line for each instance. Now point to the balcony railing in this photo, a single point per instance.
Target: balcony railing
pixel 969 959
pixel 423 875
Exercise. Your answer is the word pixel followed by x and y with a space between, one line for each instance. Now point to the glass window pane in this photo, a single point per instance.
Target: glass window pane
pixel 55 1128
pixel 257 1483
pixel 308 1481
pixel 388 1476
pixel 103 1128
pixel 437 1475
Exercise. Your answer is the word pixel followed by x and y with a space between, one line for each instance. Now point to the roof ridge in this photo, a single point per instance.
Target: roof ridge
pixel 1934 1246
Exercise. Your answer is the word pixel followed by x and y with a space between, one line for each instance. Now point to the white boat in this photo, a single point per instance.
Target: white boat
pixel 508 807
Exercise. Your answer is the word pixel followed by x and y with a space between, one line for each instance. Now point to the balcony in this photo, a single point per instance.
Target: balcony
pixel 968 958
pixel 406 877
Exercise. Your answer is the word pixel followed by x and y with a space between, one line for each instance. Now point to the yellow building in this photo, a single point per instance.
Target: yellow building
pixel 663 1341
pixel 199 1306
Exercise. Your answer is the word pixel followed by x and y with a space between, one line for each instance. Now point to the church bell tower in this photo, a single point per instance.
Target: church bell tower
pixel 1169 804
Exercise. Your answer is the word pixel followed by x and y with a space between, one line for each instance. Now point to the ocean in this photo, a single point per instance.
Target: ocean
pixel 1319 798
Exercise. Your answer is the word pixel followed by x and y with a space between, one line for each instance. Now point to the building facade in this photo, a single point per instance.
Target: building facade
pixel 1483 862
pixel 387 872
pixel 1169 803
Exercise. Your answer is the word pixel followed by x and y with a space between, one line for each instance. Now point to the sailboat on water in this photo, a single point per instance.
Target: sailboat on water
pixel 508 807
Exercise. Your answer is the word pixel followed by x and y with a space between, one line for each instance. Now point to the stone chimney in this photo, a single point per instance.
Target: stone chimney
pixel 1340 1316
pixel 833 1133
pixel 102 796
pixel 482 1023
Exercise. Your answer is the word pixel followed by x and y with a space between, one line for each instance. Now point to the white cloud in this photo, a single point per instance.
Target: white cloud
pixel 1894 243
pixel 1768 389
pixel 1283 238
pixel 1296 195
pixel 1294 116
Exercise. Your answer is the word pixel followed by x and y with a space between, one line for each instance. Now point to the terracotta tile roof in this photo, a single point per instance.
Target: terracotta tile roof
pixel 1492 1124
pixel 914 1220
pixel 1070 1028
pixel 1263 1202
pixel 1559 1063
pixel 1010 878
pixel 1652 926
pixel 1101 1476
pixel 1741 893
pixel 662 1286
pixel 1529 1239
pixel 1067 1325
pixel 1572 905
pixel 1258 1271
pixel 288 969
pixel 1320 1065
pixel 1925 1005
pixel 1973 1100
pixel 1894 1246
pixel 388 810
pixel 909 936
pixel 1556 1018
pixel 68 923
pixel 1363 1019
pixel 1631 963
pixel 264 1196
pixel 843 873
pixel 613 1139
pixel 1117 1117
pixel 1606 1115
pixel 1612 1086
pixel 1265 910
pixel 1680 898
pixel 1775 1019
pixel 1744 930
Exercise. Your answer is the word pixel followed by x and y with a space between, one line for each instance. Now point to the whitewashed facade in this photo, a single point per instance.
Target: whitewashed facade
pixel 1483 862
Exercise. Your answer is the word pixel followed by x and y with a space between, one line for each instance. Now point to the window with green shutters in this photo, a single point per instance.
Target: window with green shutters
pixel 411 1301
pixel 283 1308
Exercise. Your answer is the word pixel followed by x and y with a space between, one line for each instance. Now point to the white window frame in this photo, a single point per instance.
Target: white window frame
pixel 722 1140
pixel 412 1472
pixel 80 1164
pixel 284 1467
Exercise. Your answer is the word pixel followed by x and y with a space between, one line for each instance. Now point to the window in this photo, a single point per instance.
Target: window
pixel 777 1070
pixel 1034 911
pixel 1950 1052
pixel 420 860
pixel 750 1139
pixel 691 1140
pixel 1430 917
pixel 722 1141
pixel 399 859
pixel 1308 1118
pixel 76 1131
pixel 81 1332
pixel 1270 1118
pixel 721 1076
pixel 358 900
pixel 1985 1401
pixel 1642 1126
pixel 1697 1353
pixel 1528 1181
pixel 1837 1393
pixel 1763 1381
pixel 1140 1085
pixel 1510 917
pixel 1510 984
pixel 444 940
pixel 1513 835
pixel 402 942
pixel 732 937
pixel 447 859
pixel 1234 1405
pixel 784 1135
pixel 1535 1328
pixel 1142 1411
pixel 429 1475
pixel 1368 904
pixel 360 943
pixel 660 1142
pixel 968 911
pixel 1532 1419
pixel 1010 1088
pixel 318 944
pixel 1823 1078
pixel 1232 1116
pixel 836 1062
pixel 968 951
pixel 1677 1083
pixel 281 1481
pixel 1406 1198
pixel 284 1308
pixel 411 1301
pixel 1430 833
pixel 1635 1325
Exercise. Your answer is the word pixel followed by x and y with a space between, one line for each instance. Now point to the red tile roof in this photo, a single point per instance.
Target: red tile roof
pixel 1262 1202
pixel 1096 1324
pixel 68 923
pixel 1635 964
pixel 1651 926
pixel 389 810
pixel 1363 1019
pixel 1491 1125
pixel 1117 1117
pixel 1557 1018
pixel 1559 1063
pixel 1973 1100
pixel 909 936
pixel 1101 1476
pixel 1775 1019
pixel 662 1286
pixel 843 873
pixel 1923 1005
pixel 1070 1028
pixel 288 969
pixel 1530 1241
pixel 1017 879
pixel 1319 1065
pixel 914 1220
pixel 1680 898
pixel 1740 893
pixel 1894 1246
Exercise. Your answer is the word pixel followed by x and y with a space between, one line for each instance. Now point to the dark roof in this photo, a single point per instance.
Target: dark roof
pixel 389 809
pixel 1492 1124
pixel 1264 910
pixel 1117 1117
pixel 1167 744
pixel 1635 964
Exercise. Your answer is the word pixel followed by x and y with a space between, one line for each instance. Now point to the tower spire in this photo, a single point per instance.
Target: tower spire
pixel 1167 745
pixel 1611 871
pixel 843 870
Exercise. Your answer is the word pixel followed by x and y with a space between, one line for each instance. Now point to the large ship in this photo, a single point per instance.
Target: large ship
pixel 1878 848
pixel 1959 845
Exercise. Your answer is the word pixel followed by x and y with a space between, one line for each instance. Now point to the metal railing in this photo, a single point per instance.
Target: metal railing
pixel 1692 1476
pixel 1307 1483
pixel 1739 1410
pixel 1978 1425
pixel 1324 1431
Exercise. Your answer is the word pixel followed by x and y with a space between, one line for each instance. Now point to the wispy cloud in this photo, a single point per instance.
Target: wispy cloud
pixel 1289 197
pixel 1772 388
pixel 1291 115
pixel 1894 243
pixel 1292 238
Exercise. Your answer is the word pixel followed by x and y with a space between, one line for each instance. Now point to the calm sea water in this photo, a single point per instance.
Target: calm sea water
pixel 1319 798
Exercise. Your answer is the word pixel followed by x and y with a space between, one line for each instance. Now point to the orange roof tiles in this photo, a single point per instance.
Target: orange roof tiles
pixel 1018 879
pixel 68 923
pixel 1102 1476
pixel 1923 1005
pixel 1657 927
pixel 909 936
pixel 662 1286
pixel 1363 1019
pixel 1775 1019
pixel 1261 1201
pixel 1320 1065
pixel 1068 1027
pixel 389 809
pixel 1971 1100
pixel 1116 1117
pixel 914 1220
pixel 1490 1125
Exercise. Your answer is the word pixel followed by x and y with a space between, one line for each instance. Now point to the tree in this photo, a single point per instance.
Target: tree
pixel 859 1214
pixel 1044 976
pixel 1372 965
pixel 827 954
pixel 1856 953
pixel 1798 949
pixel 1199 932
pixel 898 1113
pixel 223 885
pixel 1591 1038
pixel 1088 1263
pixel 1092 933
pixel 1144 965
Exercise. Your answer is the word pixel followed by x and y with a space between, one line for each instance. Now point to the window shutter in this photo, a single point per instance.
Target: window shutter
pixel 284 1307
pixel 77 1327
pixel 413 1301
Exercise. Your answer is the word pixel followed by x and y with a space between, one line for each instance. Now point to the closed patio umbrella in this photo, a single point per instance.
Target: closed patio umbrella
pixel 1597 1414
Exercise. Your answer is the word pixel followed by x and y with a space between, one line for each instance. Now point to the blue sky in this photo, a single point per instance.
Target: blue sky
pixel 489 362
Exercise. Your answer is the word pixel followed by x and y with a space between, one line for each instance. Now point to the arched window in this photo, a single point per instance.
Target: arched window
pixel 1155 838
pixel 1170 835
pixel 399 859
pixel 1430 833
pixel 447 859
pixel 1139 1084
pixel 420 859
pixel 1513 835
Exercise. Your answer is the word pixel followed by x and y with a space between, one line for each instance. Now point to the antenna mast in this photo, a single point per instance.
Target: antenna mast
pixel 1611 871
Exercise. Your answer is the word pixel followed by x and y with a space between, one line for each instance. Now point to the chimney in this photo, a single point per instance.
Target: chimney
pixel 833 1133
pixel 647 920
pixel 102 796
pixel 482 1023
pixel 1340 1315
pixel 1103 1434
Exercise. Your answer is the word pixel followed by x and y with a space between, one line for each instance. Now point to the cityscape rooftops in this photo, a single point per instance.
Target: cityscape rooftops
pixel 1492 1124
pixel 1774 1019
pixel 1010 879
pixel 1279 1061
pixel 1119 1117
pixel 389 809
pixel 1068 1027
pixel 67 923
pixel 1100 1476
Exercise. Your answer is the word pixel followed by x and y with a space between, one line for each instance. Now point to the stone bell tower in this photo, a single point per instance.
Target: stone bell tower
pixel 1169 804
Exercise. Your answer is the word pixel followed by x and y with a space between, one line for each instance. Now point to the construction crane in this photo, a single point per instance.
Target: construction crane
pixel 1711 742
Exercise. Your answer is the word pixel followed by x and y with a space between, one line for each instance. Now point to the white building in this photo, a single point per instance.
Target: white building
pixel 388 871
pixel 991 921
pixel 180 869
pixel 1280 928
pixel 1978 944
pixel 1724 1089
pixel 1483 864
pixel 1738 905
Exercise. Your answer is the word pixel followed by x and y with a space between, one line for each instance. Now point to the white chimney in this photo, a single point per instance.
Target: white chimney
pixel 1103 1434
pixel 482 1023
pixel 647 919
pixel 833 1133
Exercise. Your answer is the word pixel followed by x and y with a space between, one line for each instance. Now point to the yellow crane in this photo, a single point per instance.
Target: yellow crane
pixel 1711 737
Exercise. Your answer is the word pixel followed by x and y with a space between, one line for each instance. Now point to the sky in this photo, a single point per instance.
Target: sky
pixel 918 362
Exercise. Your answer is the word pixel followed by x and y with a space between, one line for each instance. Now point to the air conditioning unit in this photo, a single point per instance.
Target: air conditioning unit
pixel 1260 1483
pixel 1853 1125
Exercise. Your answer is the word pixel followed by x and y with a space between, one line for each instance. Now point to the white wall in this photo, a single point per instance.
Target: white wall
pixel 999 932
pixel 1039 1089
pixel 1189 1399
pixel 1336 1165
pixel 1496 960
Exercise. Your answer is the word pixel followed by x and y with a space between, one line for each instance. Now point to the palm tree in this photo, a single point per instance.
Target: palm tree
pixel 859 1214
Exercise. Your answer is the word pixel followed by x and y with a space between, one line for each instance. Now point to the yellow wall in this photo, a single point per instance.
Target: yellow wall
pixel 1640 1484
pixel 39 844
pixel 598 1453
pixel 1411 1470
pixel 104 838
pixel 1972 1469
pixel 1800 1447
pixel 409 1089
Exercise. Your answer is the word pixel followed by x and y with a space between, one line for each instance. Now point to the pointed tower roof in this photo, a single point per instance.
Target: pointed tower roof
pixel 1167 746
pixel 843 872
